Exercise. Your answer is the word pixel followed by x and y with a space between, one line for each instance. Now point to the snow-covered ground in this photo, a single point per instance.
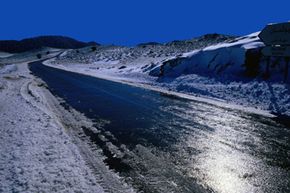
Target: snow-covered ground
pixel 231 71
pixel 5 54
pixel 38 152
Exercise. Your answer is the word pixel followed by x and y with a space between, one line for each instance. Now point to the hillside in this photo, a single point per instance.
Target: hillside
pixel 14 46
pixel 217 67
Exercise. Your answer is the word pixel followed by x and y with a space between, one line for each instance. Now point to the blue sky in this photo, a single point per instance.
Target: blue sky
pixel 128 22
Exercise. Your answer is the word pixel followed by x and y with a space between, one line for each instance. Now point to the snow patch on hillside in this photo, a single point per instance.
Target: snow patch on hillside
pixel 226 58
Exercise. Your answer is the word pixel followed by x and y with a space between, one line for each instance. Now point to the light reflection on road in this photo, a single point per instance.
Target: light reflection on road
pixel 228 160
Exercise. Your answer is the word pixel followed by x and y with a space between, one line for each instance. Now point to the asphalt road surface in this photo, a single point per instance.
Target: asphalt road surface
pixel 162 143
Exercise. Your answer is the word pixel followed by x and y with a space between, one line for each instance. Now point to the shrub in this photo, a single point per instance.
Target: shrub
pixel 94 48
pixel 38 56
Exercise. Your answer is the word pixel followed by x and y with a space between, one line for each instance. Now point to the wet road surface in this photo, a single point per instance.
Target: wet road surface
pixel 162 143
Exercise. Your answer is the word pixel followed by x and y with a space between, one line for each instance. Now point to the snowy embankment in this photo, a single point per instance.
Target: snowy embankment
pixel 39 150
pixel 36 154
pixel 232 73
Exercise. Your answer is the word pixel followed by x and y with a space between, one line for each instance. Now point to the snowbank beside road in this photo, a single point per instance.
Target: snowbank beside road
pixel 36 152
pixel 6 69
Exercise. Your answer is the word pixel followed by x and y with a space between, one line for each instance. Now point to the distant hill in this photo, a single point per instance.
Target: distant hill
pixel 14 46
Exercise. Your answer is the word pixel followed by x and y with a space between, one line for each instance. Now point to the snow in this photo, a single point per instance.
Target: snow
pixel 214 73
pixel 38 152
pixel 8 69
pixel 239 42
pixel 36 155
pixel 5 54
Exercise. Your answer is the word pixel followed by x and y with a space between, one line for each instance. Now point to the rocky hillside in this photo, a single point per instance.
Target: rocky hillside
pixel 212 66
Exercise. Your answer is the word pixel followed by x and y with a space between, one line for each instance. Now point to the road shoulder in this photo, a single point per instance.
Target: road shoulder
pixel 36 153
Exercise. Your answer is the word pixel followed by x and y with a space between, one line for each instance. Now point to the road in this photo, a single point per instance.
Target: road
pixel 162 143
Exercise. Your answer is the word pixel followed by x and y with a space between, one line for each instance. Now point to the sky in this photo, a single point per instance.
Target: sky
pixel 129 22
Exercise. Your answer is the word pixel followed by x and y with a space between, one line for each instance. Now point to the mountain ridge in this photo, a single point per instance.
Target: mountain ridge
pixel 55 41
